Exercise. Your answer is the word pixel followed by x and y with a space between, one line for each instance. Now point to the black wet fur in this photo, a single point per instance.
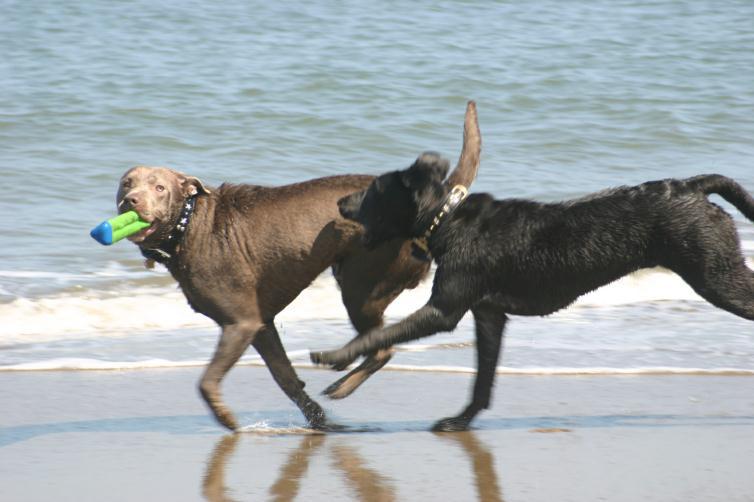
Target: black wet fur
pixel 521 257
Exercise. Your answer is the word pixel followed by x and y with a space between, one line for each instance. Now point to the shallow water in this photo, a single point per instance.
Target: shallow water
pixel 573 97
pixel 145 436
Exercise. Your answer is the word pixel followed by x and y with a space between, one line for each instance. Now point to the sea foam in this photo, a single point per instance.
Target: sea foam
pixel 81 364
pixel 113 312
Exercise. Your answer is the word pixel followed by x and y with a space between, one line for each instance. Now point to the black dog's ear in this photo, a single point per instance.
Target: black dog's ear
pixel 350 204
pixel 429 167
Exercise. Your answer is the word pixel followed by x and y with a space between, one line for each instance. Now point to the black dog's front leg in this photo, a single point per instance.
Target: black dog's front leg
pixel 426 321
pixel 489 319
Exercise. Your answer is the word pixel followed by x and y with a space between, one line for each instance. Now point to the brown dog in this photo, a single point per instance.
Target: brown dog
pixel 242 253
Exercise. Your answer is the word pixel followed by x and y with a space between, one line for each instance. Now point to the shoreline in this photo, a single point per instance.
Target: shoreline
pixel 146 435
pixel 91 365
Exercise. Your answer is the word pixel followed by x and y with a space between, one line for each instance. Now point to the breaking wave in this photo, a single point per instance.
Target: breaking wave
pixel 140 308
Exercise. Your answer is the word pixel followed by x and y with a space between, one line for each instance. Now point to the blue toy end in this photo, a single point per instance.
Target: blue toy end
pixel 103 233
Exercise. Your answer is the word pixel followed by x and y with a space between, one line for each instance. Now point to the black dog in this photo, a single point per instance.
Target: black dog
pixel 499 257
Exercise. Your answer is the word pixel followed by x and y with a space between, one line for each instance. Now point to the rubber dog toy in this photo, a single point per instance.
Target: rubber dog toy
pixel 120 227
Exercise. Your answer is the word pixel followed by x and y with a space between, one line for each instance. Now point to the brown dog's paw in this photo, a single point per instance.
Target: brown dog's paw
pixel 226 418
pixel 340 389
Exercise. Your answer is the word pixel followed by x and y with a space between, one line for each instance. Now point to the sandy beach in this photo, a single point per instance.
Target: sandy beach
pixel 145 435
pixel 640 391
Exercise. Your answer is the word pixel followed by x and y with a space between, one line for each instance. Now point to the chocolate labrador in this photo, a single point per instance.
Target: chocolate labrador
pixel 241 253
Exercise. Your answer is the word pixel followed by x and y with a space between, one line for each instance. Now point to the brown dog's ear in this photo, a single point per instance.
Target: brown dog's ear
pixel 428 168
pixel 192 185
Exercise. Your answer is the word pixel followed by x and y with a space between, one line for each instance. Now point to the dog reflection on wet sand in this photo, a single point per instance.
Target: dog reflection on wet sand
pixel 365 483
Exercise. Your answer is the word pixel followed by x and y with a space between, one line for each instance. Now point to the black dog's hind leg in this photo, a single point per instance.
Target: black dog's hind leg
pixel 490 322
pixel 426 321
pixel 708 256
pixel 732 290
pixel 712 263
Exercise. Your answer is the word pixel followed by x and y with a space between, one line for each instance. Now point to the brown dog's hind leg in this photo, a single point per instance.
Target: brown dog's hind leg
pixel 344 387
pixel 369 282
pixel 234 341
pixel 363 322
pixel 267 343
pixel 365 315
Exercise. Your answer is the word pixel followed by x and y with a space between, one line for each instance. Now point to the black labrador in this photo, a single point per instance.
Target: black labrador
pixel 520 257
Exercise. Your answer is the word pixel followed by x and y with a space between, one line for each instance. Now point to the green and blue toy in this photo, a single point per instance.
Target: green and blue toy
pixel 111 231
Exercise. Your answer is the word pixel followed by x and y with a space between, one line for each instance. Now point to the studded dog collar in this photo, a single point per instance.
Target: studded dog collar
pixel 167 249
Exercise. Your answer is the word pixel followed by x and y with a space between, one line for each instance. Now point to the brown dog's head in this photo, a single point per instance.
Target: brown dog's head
pixel 399 204
pixel 157 194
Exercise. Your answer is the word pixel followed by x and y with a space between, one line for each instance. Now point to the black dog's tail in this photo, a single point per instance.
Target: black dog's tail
pixel 727 189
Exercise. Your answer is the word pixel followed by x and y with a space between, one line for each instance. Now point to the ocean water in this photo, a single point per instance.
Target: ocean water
pixel 573 97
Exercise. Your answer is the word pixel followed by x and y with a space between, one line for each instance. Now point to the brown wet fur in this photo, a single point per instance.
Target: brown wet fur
pixel 250 250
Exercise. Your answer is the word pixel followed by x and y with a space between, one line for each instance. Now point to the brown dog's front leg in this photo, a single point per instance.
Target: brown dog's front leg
pixel 271 349
pixel 234 341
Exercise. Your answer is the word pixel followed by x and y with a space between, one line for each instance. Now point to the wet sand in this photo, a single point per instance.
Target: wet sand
pixel 145 435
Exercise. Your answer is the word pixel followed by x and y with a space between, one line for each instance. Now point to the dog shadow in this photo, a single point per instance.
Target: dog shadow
pixel 364 482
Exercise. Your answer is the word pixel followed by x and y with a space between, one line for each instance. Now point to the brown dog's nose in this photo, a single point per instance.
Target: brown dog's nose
pixel 129 201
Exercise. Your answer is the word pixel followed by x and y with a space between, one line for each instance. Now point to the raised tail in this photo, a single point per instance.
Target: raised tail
pixel 728 189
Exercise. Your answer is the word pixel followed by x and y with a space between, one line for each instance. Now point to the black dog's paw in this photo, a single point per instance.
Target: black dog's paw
pixel 336 359
pixel 452 424
pixel 322 358
pixel 328 426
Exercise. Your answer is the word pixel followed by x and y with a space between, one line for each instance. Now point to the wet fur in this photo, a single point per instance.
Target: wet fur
pixel 250 250
pixel 521 257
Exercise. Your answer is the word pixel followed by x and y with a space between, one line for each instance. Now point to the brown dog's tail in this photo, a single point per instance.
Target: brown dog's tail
pixel 728 189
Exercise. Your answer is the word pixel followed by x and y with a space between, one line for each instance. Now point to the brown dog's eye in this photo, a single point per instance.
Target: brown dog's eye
pixel 159 188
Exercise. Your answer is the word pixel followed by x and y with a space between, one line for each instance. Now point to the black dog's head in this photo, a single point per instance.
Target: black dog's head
pixel 399 204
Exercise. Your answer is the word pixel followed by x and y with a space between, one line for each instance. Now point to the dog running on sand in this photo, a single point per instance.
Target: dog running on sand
pixel 241 253
pixel 521 257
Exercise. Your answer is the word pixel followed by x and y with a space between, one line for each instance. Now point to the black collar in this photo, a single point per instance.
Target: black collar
pixel 420 245
pixel 166 250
